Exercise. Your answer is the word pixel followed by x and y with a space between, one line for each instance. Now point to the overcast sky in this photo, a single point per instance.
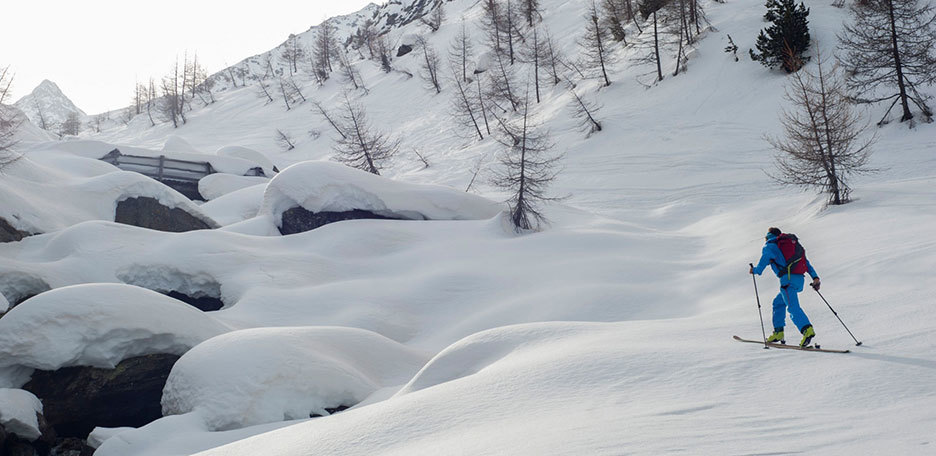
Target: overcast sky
pixel 96 49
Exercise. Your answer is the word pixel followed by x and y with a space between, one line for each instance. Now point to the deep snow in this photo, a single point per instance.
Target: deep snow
pixel 607 333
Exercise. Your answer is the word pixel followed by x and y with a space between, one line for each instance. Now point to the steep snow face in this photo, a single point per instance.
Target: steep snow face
pixel 99 325
pixel 288 373
pixel 47 107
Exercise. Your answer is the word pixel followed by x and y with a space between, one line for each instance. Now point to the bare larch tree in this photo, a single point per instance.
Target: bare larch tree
pixel 528 166
pixel 429 68
pixel 648 10
pixel 10 119
pixel 594 45
pixel 585 111
pixel 284 140
pixel 889 45
pixel 461 50
pixel 320 109
pixel 465 109
pixel 324 50
pixel 363 147
pixel 822 143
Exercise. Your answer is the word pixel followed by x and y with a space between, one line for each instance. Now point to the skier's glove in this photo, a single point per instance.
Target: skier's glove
pixel 815 283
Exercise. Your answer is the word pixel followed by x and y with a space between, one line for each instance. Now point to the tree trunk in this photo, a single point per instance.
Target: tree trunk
pixel 907 115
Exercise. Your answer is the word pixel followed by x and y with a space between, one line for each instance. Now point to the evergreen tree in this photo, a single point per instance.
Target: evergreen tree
pixel 785 41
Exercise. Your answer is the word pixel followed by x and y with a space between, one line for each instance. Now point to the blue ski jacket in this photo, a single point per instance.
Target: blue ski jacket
pixel 771 255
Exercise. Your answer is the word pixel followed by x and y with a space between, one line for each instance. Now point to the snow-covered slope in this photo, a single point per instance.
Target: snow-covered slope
pixel 607 333
pixel 47 107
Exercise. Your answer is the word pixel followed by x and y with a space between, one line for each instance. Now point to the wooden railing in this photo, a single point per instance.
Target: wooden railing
pixel 162 168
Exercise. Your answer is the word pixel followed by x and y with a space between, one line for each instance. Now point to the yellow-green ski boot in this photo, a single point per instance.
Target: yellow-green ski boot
pixel 808 334
pixel 776 337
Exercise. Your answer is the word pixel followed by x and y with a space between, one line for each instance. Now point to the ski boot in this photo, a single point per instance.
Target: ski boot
pixel 777 337
pixel 808 334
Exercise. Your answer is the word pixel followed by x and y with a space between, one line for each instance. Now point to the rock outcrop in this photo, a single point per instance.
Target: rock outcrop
pixel 10 234
pixel 147 212
pixel 77 399
pixel 298 219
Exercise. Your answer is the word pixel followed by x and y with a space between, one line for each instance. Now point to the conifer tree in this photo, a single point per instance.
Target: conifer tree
pixel 594 43
pixel 785 41
pixel 362 147
pixel 528 167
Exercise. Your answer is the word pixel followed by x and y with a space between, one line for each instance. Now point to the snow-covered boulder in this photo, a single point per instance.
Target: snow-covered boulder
pixel 216 185
pixel 19 411
pixel 249 154
pixel 99 325
pixel 325 187
pixel 236 206
pixel 263 375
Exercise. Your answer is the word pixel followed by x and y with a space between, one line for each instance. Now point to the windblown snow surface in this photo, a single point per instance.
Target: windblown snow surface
pixel 606 333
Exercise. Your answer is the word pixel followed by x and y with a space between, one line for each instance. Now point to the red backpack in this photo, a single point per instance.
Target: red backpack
pixel 794 254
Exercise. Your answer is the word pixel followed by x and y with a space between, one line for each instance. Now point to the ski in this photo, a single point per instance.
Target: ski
pixel 791 347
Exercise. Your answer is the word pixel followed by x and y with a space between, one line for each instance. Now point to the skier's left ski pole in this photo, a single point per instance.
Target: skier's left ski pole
pixel 836 315
pixel 759 313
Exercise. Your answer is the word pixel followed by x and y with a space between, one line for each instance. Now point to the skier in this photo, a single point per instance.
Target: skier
pixel 791 282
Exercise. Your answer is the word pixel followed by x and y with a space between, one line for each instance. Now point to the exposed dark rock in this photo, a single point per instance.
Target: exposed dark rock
pixel 187 188
pixel 71 447
pixel 10 234
pixel 204 303
pixel 147 212
pixel 76 399
pixel 403 50
pixel 331 411
pixel 298 219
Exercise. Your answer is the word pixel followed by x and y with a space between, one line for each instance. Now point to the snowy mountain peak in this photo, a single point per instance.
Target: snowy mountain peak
pixel 48 107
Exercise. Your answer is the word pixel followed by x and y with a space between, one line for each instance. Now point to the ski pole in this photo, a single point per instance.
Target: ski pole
pixel 759 313
pixel 857 343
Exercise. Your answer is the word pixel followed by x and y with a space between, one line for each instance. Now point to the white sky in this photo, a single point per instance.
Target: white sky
pixel 95 50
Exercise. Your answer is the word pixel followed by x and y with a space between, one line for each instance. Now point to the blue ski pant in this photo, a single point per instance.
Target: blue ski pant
pixel 787 300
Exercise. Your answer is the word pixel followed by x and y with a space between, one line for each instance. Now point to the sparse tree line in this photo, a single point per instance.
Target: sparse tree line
pixel 884 54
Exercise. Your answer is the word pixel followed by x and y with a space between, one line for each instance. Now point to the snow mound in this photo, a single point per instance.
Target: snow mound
pixel 481 350
pixel 4 304
pixel 175 144
pixel 247 153
pixel 332 187
pixel 263 375
pixel 99 325
pixel 18 410
pixel 236 206
pixel 217 185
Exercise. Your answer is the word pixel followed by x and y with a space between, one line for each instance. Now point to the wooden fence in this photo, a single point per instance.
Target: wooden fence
pixel 182 175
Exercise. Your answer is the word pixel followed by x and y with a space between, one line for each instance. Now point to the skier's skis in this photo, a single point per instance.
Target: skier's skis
pixel 791 347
